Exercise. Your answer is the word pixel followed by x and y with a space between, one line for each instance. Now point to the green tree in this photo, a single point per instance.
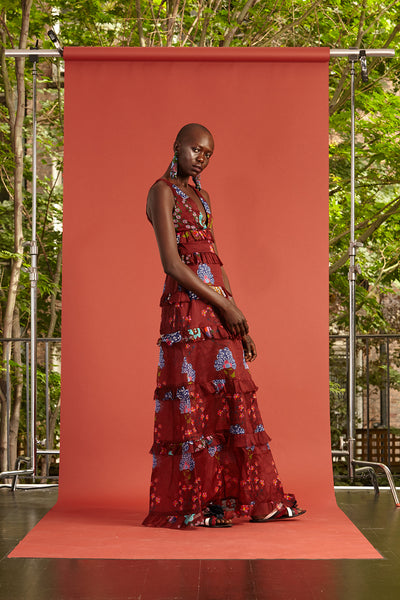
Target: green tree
pixel 340 23
pixel 18 25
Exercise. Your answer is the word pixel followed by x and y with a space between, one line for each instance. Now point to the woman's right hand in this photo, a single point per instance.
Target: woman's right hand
pixel 234 319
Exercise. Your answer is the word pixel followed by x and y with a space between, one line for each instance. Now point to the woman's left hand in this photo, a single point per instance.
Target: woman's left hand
pixel 249 347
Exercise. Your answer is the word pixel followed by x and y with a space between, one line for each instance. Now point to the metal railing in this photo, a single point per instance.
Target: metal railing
pixel 377 401
pixel 37 439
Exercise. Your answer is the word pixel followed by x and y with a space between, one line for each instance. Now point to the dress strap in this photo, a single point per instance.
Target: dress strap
pixel 177 191
pixel 165 181
pixel 173 186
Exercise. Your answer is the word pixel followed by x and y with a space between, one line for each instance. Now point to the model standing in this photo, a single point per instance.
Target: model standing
pixel 211 455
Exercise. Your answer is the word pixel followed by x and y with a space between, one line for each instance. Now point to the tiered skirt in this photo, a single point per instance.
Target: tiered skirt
pixel 210 445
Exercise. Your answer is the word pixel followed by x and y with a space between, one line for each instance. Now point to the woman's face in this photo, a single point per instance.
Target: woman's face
pixel 194 152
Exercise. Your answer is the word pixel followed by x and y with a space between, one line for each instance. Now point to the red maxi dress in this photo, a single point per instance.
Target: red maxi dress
pixel 210 445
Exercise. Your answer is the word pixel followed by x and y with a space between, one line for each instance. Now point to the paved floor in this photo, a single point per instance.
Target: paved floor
pixel 71 579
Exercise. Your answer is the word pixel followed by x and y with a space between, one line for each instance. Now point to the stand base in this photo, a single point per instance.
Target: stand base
pixel 369 466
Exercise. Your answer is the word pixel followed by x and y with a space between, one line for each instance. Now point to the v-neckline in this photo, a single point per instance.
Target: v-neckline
pixel 194 204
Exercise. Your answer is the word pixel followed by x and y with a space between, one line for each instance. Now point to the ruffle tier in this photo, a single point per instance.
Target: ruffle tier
pixel 180 295
pixel 182 487
pixel 195 334
pixel 192 419
pixel 196 257
pixel 229 387
pixel 211 442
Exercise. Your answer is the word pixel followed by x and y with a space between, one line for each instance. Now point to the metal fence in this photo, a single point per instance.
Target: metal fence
pixel 377 400
pixel 16 413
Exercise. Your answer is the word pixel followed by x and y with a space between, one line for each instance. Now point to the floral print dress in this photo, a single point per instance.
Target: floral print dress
pixel 209 445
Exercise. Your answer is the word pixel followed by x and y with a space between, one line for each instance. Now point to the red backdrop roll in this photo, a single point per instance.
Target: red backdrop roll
pixel 268 180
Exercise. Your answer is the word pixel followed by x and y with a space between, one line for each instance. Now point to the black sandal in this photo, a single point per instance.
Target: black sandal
pixel 214 517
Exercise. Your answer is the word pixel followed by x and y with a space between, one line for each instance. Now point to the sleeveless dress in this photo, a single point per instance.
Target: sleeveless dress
pixel 210 445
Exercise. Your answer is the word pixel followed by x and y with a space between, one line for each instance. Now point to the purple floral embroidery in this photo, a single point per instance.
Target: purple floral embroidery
pixel 188 369
pixel 246 366
pixel 178 238
pixel 191 294
pixel 154 461
pixel 161 361
pixel 158 406
pixel 172 519
pixel 259 428
pixel 236 429
pixel 224 360
pixel 186 463
pixel 183 395
pixel 204 273
pixel 212 450
pixel 180 192
pixel 171 338
pixel 206 207
pixel 219 384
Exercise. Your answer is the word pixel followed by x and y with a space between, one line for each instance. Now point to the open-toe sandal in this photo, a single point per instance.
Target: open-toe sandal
pixel 285 512
pixel 214 516
pixel 215 522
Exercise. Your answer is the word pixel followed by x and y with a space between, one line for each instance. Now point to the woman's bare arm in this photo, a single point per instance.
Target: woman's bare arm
pixel 249 347
pixel 160 204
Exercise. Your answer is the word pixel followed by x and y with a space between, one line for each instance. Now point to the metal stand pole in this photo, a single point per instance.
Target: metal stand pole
pixel 33 271
pixel 33 276
pixel 31 459
pixel 354 269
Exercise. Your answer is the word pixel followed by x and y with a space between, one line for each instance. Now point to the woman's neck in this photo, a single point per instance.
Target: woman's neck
pixel 181 182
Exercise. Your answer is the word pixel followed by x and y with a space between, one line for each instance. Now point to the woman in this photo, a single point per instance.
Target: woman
pixel 211 458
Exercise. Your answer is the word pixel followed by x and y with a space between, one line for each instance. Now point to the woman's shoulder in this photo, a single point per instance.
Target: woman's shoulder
pixel 205 195
pixel 161 188
pixel 160 195
pixel 160 184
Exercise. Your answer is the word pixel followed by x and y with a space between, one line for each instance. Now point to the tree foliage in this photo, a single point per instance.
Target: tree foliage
pixel 337 24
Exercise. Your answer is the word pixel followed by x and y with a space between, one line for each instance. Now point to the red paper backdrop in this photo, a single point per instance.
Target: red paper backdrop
pixel 268 180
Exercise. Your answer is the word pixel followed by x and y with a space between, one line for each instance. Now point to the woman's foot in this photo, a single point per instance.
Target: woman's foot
pixel 279 514
pixel 214 516
pixel 216 522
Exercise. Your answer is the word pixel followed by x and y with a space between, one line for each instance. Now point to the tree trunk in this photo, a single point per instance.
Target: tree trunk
pixel 16 120
pixel 53 304
pixel 3 432
pixel 18 388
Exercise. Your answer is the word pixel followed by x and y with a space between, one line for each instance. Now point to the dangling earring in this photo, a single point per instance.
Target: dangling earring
pixel 196 181
pixel 173 169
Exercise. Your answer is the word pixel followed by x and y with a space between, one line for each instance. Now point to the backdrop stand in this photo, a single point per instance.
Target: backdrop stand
pixel 31 459
pixel 356 55
pixel 353 55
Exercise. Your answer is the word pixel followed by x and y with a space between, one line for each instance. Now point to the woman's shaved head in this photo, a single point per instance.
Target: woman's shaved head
pixel 190 128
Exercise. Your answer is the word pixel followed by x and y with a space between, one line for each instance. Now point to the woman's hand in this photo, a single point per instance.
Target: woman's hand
pixel 234 319
pixel 249 347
